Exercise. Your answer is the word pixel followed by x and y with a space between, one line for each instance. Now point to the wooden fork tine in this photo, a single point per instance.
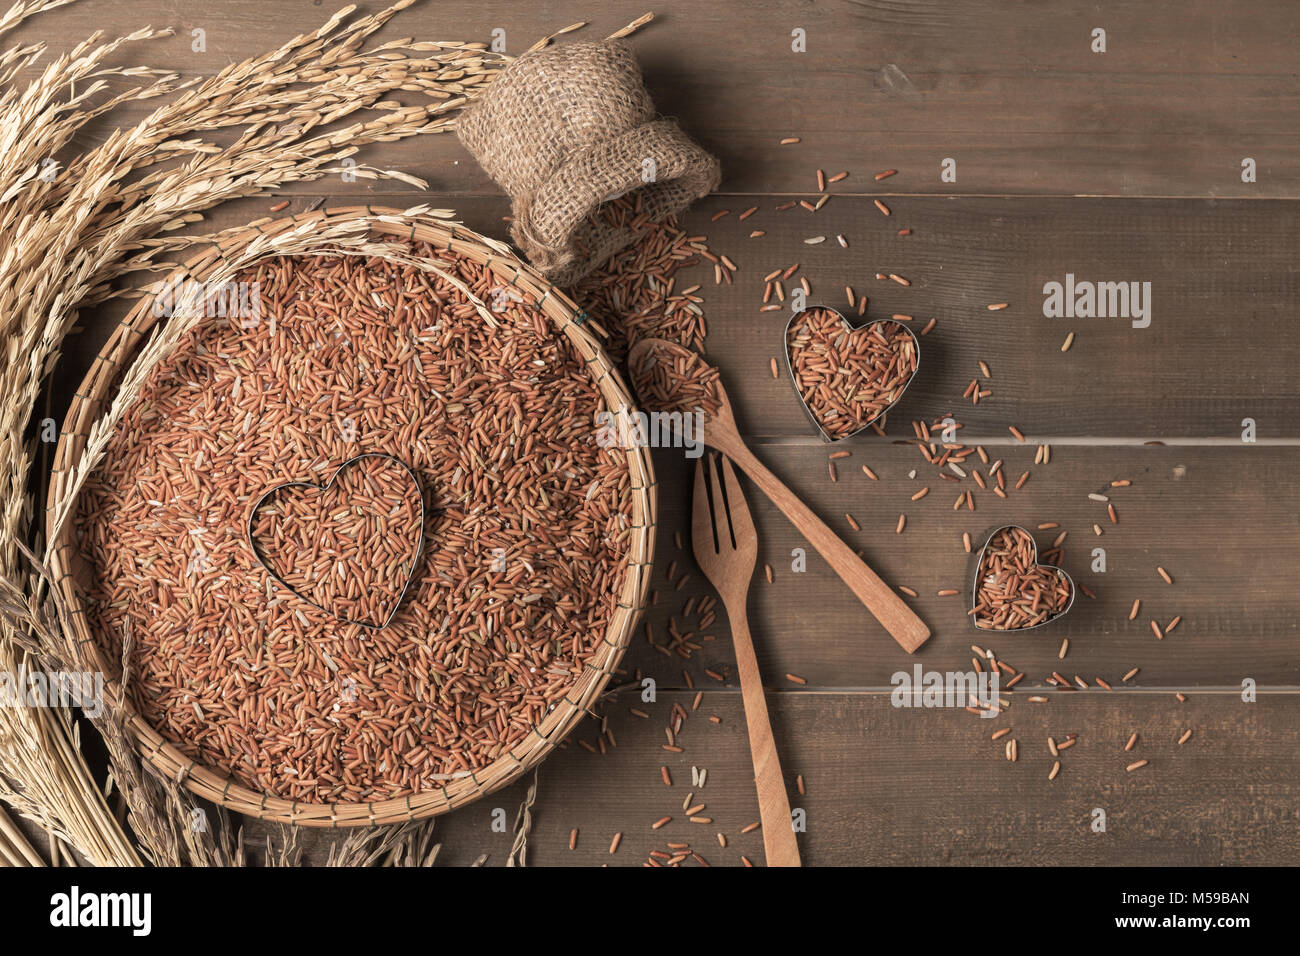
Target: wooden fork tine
pixel 701 531
pixel 721 520
pixel 742 522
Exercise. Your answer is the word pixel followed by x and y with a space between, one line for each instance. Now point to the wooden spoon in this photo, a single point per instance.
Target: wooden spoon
pixel 721 434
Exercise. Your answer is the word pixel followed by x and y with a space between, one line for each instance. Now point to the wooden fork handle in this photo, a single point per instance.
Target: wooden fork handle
pixel 779 844
pixel 880 599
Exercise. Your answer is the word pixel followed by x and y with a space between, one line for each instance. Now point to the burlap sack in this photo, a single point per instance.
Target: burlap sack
pixel 567 128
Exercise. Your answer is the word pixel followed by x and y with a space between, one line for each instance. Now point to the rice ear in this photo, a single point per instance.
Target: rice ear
pixel 73 232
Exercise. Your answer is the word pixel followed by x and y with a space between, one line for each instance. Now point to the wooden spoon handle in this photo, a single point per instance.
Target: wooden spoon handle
pixel 887 607
pixel 779 842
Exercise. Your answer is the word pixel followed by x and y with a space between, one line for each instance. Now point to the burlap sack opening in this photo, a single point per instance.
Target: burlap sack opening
pixel 567 129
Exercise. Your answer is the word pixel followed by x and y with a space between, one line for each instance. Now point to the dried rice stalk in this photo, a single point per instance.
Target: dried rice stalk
pixel 524 824
pixel 289 854
pixel 171 829
pixel 405 844
pixel 14 845
pixel 100 219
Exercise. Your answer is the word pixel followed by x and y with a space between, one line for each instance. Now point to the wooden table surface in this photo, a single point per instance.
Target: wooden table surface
pixel 1125 165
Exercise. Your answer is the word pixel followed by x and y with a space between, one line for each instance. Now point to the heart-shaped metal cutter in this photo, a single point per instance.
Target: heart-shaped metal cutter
pixel 979 566
pixel 415 559
pixel 851 329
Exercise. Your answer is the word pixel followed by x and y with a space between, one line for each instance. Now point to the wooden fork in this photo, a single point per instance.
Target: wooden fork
pixel 726 549
pixel 722 434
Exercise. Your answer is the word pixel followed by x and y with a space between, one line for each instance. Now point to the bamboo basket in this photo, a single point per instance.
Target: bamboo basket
pixel 69 568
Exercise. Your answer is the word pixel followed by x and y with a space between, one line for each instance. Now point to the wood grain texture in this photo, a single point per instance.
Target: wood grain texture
pixel 1217 516
pixel 1219 520
pixel 895 786
pixel 1221 346
pixel 1011 91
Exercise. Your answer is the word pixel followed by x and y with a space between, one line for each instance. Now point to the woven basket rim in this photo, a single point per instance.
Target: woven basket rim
pixel 569 321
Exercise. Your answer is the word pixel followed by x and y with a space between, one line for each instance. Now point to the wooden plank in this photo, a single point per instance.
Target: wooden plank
pixel 1013 93
pixel 1218 520
pixel 1220 347
pixel 893 786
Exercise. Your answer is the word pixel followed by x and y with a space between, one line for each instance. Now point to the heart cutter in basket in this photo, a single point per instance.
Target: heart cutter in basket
pixel 851 329
pixel 979 565
pixel 415 558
